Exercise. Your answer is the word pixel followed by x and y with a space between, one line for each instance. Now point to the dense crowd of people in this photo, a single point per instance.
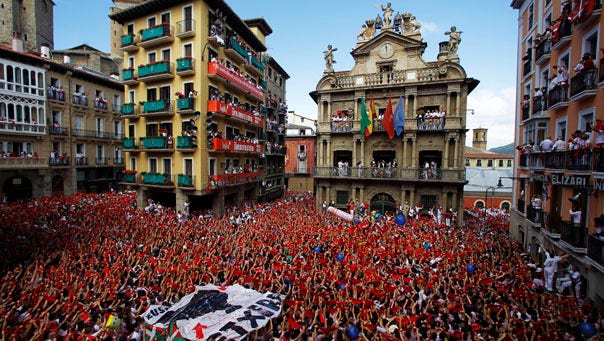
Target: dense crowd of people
pixel 70 264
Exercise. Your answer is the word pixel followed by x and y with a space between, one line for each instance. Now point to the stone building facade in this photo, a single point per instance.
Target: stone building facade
pixel 423 162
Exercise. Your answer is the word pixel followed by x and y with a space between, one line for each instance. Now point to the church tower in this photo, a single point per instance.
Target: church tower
pixel 480 138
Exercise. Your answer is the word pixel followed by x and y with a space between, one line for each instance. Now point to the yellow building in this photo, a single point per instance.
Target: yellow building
pixel 560 95
pixel 424 161
pixel 195 114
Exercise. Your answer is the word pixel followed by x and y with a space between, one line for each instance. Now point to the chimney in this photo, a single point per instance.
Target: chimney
pixel 17 42
pixel 480 138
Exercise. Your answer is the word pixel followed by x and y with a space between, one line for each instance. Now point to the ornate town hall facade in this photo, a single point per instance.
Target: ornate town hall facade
pixel 392 129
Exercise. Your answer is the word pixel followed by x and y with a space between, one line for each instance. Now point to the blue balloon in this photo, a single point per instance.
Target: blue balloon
pixel 340 257
pixel 471 268
pixel 378 216
pixel 400 220
pixel 588 329
pixel 352 332
pixel 317 249
pixel 428 246
pixel 356 221
pixel 341 286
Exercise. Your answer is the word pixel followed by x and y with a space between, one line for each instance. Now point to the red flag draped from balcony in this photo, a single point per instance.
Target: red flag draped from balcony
pixel 388 121
pixel 583 9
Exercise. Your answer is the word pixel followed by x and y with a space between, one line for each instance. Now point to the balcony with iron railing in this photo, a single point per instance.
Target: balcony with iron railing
pixel 90 134
pixel 80 100
pixel 584 84
pixel 185 180
pixel 157 179
pixel 540 106
pixel 129 43
pixel 129 111
pixel 595 249
pixel 118 161
pixel 534 215
pixel 583 159
pixel 555 159
pixel 575 237
pixel 527 67
pixel 131 144
pixel 255 67
pixel 156 71
pixel 55 94
pixel 129 76
pixel 129 177
pixel 415 174
pixel 410 124
pixel 225 145
pixel 233 80
pixel 185 28
pixel 59 161
pixel 563 34
pixel 185 66
pixel 235 113
pixel 526 112
pixel 17 162
pixel 57 130
pixel 235 51
pixel 158 108
pixel 558 97
pixel 584 18
pixel 102 161
pixel 185 105
pixel 157 144
pixel 227 180
pixel 523 160
pixel 156 35
pixel 543 51
pixel 186 143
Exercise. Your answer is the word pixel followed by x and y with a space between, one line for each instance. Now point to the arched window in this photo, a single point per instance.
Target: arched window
pixel 10 79
pixel 11 111
pixel 25 81
pixel 40 84
pixel 19 112
pixel 479 204
pixel 18 79
pixel 26 114
pixel 505 205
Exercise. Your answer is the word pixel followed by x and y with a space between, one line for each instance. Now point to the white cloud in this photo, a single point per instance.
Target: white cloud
pixel 429 27
pixel 494 109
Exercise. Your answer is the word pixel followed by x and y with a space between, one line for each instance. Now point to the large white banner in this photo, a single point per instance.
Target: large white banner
pixel 220 313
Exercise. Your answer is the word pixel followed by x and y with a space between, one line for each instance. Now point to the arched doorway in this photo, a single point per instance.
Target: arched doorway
pixel 17 188
pixel 382 203
pixel 57 185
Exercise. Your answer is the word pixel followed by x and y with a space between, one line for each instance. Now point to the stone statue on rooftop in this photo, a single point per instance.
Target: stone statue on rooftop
pixel 387 9
pixel 454 40
pixel 329 61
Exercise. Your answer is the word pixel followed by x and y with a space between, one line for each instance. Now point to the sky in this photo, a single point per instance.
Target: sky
pixel 303 29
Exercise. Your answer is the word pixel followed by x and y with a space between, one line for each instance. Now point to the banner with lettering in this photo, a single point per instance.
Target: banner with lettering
pixel 211 312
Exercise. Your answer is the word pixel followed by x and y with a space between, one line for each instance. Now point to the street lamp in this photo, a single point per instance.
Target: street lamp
pixel 499 184
pixel 486 192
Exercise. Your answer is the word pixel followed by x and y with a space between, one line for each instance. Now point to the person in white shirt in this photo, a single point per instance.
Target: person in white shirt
pixel 575 215
pixel 559 145
pixel 547 145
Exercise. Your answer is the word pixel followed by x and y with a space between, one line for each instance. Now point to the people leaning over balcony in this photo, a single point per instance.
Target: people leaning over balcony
pixel 431 119
pixel 561 78
pixel 547 145
pixel 599 131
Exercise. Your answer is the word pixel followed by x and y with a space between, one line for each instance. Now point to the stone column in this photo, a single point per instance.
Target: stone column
pixel 414 156
pixel 363 151
pixel 180 200
pixel 403 164
pixel 446 156
pixel 456 154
